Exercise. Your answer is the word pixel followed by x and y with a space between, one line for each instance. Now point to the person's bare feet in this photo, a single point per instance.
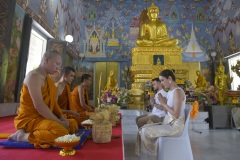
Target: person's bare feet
pixel 19 135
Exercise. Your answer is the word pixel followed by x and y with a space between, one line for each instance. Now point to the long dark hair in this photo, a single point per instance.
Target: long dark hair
pixel 168 73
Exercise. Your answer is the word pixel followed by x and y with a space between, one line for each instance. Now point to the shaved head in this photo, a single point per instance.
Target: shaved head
pixel 51 53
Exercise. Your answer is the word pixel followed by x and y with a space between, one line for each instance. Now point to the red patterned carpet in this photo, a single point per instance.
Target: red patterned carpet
pixel 89 151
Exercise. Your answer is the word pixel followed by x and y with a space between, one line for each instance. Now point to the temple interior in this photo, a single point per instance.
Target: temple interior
pixel 123 47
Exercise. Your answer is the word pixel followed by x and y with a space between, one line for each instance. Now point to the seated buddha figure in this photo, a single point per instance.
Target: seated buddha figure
pixel 221 82
pixel 201 82
pixel 111 82
pixel 154 32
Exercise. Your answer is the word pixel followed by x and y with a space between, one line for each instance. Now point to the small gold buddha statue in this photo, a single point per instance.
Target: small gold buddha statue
pixel 111 82
pixel 154 32
pixel 159 61
pixel 201 82
pixel 221 82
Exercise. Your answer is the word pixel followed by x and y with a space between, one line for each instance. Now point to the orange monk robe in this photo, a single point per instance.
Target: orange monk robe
pixel 76 103
pixel 42 131
pixel 65 102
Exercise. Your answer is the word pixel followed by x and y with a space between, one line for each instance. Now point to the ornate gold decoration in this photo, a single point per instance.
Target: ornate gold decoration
pixel 146 63
pixel 221 82
pixel 111 82
pixel 201 82
pixel 154 32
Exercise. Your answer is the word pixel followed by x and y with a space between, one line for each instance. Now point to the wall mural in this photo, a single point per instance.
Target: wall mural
pixel 119 20
pixel 226 31
pixel 82 68
pixel 13 54
pixel 107 30
pixel 58 17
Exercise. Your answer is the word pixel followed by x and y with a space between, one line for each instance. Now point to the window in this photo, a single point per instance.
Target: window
pixel 233 61
pixel 37 48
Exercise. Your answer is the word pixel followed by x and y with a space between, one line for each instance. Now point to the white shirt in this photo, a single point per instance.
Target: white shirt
pixel 155 110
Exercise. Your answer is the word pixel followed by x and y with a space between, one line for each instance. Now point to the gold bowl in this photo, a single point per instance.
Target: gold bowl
pixel 67 147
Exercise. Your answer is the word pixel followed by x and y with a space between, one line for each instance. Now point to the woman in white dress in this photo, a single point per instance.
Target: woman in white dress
pixel 174 105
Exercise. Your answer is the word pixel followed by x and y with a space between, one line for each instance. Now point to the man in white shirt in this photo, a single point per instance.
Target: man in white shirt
pixel 158 113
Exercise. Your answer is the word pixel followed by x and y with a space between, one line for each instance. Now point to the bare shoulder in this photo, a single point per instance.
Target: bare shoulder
pixel 60 85
pixel 80 88
pixel 180 93
pixel 34 78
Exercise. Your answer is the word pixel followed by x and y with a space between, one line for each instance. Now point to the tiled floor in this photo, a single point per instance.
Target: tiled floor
pixel 209 145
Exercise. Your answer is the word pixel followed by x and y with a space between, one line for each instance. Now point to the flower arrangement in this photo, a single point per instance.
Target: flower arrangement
pixel 123 96
pixel 115 96
pixel 148 86
pixel 205 97
pixel 189 85
pixel 109 97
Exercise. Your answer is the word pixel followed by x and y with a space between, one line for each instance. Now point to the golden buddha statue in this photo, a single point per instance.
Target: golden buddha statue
pixel 221 82
pixel 111 82
pixel 201 82
pixel 159 61
pixel 154 32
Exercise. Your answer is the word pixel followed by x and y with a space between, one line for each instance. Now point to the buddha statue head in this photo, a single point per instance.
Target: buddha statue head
pixel 153 12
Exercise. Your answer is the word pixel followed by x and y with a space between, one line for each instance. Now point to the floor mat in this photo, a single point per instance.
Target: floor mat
pixel 84 133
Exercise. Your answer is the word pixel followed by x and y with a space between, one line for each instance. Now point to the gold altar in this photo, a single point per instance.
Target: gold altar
pixel 156 51
pixel 148 62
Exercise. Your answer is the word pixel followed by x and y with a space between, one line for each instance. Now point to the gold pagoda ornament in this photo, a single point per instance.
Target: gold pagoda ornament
pixel 221 82
pixel 153 42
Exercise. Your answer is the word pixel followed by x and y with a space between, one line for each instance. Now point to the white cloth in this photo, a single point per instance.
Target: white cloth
pixel 155 110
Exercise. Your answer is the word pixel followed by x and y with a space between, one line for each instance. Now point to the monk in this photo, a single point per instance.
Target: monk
pixel 64 95
pixel 40 120
pixel 80 97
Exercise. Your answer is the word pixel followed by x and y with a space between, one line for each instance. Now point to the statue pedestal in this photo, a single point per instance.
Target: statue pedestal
pixel 147 63
pixel 219 116
pixel 199 123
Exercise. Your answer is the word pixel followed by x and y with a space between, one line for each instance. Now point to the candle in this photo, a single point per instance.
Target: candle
pixel 100 81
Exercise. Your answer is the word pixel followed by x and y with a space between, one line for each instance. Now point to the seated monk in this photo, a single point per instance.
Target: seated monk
pixel 40 120
pixel 64 98
pixel 154 32
pixel 80 97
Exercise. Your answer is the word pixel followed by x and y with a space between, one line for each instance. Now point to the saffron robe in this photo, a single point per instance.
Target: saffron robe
pixel 76 103
pixel 42 131
pixel 65 102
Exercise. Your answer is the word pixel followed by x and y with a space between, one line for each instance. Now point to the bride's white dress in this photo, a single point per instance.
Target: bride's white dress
pixel 147 139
